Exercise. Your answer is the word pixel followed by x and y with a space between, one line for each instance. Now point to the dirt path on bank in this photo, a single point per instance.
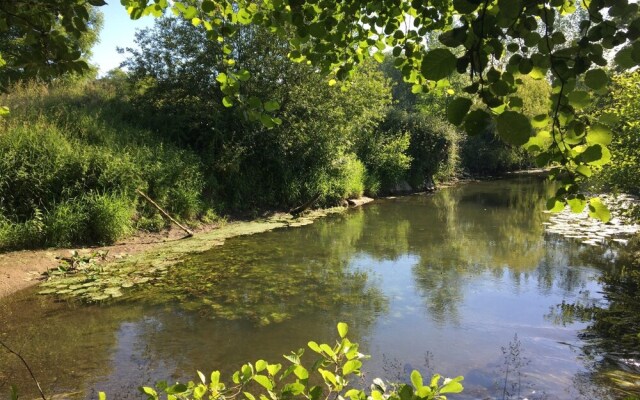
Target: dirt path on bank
pixel 22 269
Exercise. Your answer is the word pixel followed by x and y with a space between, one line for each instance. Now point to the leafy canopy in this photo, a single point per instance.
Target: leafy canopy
pixel 494 42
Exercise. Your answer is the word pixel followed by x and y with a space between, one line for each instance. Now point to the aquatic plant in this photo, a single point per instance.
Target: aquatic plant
pixel 333 370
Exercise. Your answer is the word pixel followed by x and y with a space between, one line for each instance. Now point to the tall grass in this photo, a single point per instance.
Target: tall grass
pixel 71 158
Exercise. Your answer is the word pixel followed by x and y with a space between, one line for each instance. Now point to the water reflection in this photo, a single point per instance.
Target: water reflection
pixel 441 283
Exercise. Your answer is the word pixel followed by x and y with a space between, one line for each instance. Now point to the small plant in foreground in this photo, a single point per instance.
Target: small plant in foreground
pixel 333 369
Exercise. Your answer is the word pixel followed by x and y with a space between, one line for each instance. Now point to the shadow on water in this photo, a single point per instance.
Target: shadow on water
pixel 459 282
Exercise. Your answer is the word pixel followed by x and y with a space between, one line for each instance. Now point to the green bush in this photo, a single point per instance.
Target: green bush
pixel 67 224
pixel 349 180
pixel 69 151
pixel 22 235
pixel 487 154
pixel 426 150
pixel 108 217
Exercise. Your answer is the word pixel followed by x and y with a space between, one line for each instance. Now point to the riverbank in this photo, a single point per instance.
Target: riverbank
pixel 141 257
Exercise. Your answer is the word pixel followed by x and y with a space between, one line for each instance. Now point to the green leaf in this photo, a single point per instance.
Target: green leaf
pixel 314 346
pixel 477 122
pixel 261 365
pixel 584 170
pixel 608 118
pixel 149 391
pixel 264 381
pixel 416 379
pixel 351 366
pixel 328 350
pixel 176 389
pixel 465 6
pixel 599 134
pixel 190 13
pixel 295 388
pixel 554 205
pixel 514 128
pixel 227 101
pixel 590 154
pixel 267 121
pixel 249 396
pixel 343 329
pixel 379 57
pixel 579 99
pixel 271 106
pixel 438 64
pixel 4 110
pixel 328 376
pixel 576 204
pixel 458 109
pixel 301 372
pixel 208 6
pixel 222 78
pixel 540 121
pixel 624 58
pixel 273 369
pixel 215 378
pixel 596 79
pixel 509 8
pixel 598 210
pixel 97 3
pixel 452 386
pixel 101 396
pixel 243 75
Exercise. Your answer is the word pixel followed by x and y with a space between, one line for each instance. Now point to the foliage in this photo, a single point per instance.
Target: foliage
pixel 619 107
pixel 46 39
pixel 307 153
pixel 483 36
pixel 71 166
pixel 334 369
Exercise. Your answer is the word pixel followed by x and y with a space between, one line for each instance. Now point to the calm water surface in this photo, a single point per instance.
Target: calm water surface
pixel 461 282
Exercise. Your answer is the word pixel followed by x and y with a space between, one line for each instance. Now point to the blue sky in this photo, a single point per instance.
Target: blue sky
pixel 118 31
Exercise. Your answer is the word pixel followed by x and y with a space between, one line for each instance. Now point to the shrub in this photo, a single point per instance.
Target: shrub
pixel 108 217
pixel 430 152
pixel 22 235
pixel 70 151
pixel 67 224
pixel 343 181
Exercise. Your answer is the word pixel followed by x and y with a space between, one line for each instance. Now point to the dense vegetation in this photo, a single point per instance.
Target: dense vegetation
pixel 75 150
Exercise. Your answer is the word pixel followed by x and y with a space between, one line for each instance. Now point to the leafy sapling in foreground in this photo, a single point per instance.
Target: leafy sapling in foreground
pixel 328 378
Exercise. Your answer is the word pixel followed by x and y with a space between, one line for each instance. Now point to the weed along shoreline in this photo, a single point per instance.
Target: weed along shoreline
pixel 103 273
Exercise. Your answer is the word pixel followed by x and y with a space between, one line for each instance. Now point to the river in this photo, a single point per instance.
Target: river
pixel 460 282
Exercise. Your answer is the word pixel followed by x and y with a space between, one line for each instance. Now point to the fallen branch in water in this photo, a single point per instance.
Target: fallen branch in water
pixel 299 210
pixel 10 350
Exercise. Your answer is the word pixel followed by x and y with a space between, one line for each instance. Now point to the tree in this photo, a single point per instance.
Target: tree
pixel 46 39
pixel 254 159
pixel 336 36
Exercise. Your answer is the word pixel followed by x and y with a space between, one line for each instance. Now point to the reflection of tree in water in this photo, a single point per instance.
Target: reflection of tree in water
pixel 612 338
pixel 64 345
pixel 495 228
